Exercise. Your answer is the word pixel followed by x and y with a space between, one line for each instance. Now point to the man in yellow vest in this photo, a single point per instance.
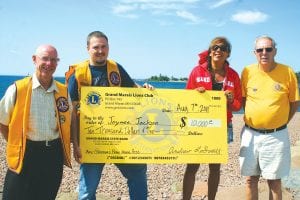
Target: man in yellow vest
pixel 98 71
pixel 35 121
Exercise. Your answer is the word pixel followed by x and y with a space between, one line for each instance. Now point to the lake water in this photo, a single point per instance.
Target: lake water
pixel 5 81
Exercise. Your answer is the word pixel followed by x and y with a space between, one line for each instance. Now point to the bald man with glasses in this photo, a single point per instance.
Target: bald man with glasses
pixel 35 121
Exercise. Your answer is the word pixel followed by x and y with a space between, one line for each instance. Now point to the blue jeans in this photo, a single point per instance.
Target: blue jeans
pixel 90 175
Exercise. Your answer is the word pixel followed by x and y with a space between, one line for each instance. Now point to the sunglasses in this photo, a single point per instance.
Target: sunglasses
pixel 268 49
pixel 221 47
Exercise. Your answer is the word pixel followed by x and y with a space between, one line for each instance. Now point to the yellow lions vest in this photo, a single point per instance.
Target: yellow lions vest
pixel 84 77
pixel 18 126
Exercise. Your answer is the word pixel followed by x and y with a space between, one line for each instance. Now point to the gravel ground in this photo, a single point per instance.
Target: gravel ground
pixel 164 180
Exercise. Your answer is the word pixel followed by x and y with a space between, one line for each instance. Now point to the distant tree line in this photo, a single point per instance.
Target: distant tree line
pixel 165 78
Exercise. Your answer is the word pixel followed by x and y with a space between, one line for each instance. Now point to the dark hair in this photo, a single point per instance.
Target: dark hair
pixel 97 34
pixel 222 40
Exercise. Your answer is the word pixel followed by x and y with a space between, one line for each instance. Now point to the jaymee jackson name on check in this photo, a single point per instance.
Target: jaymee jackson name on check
pixel 137 125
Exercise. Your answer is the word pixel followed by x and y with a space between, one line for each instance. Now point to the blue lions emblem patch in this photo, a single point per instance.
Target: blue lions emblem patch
pixel 114 78
pixel 93 98
pixel 62 104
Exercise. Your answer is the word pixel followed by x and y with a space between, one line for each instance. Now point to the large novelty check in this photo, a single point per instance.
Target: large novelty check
pixel 137 125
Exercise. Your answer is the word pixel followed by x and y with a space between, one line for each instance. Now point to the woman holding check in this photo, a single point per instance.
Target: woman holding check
pixel 214 73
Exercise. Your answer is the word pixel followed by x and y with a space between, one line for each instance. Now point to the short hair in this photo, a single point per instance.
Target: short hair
pixel 97 34
pixel 265 37
pixel 220 39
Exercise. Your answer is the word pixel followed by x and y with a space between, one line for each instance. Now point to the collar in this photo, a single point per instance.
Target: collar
pixel 36 84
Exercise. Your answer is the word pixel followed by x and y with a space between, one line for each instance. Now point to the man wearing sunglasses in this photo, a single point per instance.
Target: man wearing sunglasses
pixel 270 94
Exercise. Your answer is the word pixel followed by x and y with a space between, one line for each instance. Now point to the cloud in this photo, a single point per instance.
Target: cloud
pixel 219 23
pixel 159 1
pixel 160 6
pixel 125 10
pixel 220 3
pixel 249 17
pixel 189 16
pixel 120 9
pixel 177 8
pixel 12 51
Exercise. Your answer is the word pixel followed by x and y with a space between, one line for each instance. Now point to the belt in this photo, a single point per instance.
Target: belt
pixel 44 143
pixel 266 131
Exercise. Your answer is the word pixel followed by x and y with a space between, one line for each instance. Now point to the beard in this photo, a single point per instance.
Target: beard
pixel 100 62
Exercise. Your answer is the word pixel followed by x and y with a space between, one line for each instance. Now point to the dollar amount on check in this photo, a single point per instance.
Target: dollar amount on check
pixel 137 125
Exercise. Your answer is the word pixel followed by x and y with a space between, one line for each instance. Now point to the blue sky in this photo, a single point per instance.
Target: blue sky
pixel 147 37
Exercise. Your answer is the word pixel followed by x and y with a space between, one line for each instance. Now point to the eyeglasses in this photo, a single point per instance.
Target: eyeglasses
pixel 223 48
pixel 267 49
pixel 47 58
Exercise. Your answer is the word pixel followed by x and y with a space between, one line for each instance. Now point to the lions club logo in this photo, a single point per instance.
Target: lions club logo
pixel 114 78
pixel 277 87
pixel 62 104
pixel 93 98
